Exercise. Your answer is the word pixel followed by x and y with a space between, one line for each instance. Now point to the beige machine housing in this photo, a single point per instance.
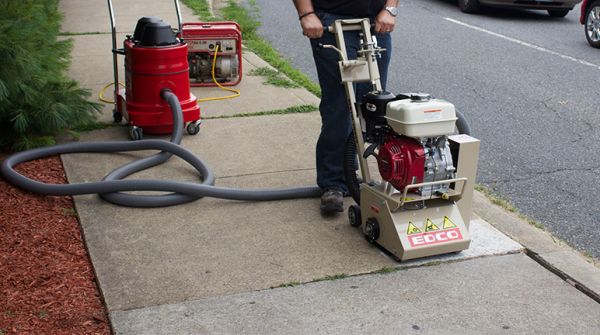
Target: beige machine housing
pixel 409 223
pixel 411 226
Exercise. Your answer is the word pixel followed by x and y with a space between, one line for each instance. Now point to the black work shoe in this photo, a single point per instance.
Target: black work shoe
pixel 332 201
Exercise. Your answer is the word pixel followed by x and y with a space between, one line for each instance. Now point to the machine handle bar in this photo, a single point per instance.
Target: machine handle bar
pixel 349 25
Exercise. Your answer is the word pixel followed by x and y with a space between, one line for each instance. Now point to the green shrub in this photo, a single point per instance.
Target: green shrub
pixel 37 100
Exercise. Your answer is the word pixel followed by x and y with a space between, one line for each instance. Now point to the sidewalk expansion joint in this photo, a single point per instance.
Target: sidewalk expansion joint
pixel 81 33
pixel 562 275
pixel 265 173
pixel 388 269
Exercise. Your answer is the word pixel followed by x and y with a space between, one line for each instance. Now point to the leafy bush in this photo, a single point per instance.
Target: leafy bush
pixel 37 100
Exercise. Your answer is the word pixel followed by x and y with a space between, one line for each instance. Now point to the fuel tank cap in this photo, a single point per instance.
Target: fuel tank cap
pixel 420 97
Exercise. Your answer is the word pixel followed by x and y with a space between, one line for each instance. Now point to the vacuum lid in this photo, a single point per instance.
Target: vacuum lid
pixel 153 31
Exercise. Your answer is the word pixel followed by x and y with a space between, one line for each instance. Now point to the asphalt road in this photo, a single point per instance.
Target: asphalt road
pixel 527 82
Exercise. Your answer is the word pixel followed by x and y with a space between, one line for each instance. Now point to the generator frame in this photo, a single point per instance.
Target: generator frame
pixel 404 224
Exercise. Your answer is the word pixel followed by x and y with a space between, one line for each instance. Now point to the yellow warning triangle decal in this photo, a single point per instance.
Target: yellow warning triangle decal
pixel 412 229
pixel 430 226
pixel 448 224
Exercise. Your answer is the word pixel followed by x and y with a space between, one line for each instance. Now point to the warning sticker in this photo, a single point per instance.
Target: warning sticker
pixel 412 229
pixel 448 224
pixel 442 236
pixel 430 226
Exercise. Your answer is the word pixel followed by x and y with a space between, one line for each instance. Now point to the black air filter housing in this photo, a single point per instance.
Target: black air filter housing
pixel 373 110
pixel 152 31
pixel 375 103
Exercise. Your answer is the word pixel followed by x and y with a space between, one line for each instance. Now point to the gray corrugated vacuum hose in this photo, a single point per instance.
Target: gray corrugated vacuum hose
pixel 112 186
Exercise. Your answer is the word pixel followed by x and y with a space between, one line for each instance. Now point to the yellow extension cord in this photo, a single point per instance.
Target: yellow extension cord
pixel 101 94
pixel 236 93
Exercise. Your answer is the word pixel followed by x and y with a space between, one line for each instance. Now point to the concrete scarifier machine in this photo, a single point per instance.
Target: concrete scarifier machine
pixel 427 163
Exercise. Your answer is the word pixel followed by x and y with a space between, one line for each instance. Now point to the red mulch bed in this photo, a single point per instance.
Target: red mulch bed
pixel 47 284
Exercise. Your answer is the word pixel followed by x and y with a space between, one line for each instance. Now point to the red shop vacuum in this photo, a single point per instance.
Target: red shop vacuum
pixel 155 59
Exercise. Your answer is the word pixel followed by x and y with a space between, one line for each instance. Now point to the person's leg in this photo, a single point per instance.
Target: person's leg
pixel 335 116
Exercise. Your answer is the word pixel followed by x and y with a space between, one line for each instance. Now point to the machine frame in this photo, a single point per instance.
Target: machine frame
pixel 403 223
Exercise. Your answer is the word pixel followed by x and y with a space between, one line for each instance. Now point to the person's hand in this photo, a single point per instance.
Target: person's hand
pixel 311 26
pixel 384 22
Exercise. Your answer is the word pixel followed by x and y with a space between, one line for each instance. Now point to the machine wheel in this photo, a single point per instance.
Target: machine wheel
pixel 117 116
pixel 351 168
pixel 462 125
pixel 372 230
pixel 354 216
pixel 136 133
pixel 558 12
pixel 469 6
pixel 592 24
pixel 193 128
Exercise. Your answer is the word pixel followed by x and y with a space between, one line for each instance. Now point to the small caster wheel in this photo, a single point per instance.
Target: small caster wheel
pixel 354 216
pixel 136 133
pixel 372 230
pixel 117 116
pixel 193 128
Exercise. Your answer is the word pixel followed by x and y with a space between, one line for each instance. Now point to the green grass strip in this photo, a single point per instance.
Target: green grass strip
pixel 290 110
pixel 331 277
pixel 504 203
pixel 200 8
pixel 95 126
pixel 247 18
pixel 273 77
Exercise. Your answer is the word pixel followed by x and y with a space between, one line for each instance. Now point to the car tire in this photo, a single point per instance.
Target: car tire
pixel 592 16
pixel 558 12
pixel 469 6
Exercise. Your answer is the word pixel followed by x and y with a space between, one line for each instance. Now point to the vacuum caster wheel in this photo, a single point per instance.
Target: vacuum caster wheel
pixel 354 216
pixel 136 133
pixel 372 230
pixel 117 116
pixel 193 128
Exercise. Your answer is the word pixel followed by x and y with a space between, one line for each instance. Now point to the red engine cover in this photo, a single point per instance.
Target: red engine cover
pixel 400 160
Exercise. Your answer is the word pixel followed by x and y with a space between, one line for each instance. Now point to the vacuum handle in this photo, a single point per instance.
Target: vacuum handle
pixel 177 9
pixel 111 12
pixel 113 31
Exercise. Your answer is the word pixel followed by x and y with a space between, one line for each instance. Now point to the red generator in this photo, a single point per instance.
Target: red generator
pixel 155 60
pixel 204 39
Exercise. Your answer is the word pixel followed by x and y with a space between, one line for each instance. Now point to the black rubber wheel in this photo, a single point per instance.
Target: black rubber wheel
pixel 469 6
pixel 193 128
pixel 592 24
pixel 354 216
pixel 558 12
pixel 372 230
pixel 351 169
pixel 462 125
pixel 117 116
pixel 136 133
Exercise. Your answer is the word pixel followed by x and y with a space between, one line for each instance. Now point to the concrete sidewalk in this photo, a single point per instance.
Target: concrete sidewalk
pixel 228 267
